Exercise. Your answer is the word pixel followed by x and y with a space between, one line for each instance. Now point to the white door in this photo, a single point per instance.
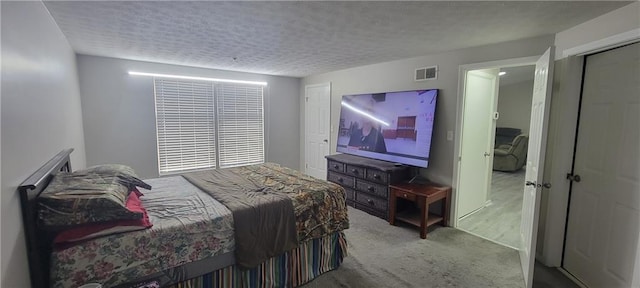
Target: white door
pixel 535 163
pixel 603 223
pixel 478 132
pixel 317 129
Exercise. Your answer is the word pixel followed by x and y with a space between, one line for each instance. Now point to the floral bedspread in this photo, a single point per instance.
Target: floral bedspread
pixel 188 226
pixel 319 206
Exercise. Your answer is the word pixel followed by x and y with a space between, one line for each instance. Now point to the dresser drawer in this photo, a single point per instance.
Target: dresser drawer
pixel 341 179
pixel 372 188
pixel 335 166
pixel 356 171
pixel 351 195
pixel 366 181
pixel 405 195
pixel 371 202
pixel 377 176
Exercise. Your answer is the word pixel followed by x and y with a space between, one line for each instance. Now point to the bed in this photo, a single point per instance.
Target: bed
pixel 201 237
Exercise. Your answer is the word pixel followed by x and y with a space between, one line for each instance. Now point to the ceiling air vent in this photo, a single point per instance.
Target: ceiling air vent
pixel 426 73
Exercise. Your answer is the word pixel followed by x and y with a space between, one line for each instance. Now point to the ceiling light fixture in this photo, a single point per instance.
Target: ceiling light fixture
pixel 502 73
pixel 196 78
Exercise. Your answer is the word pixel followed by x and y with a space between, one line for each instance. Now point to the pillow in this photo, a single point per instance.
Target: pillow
pixel 83 197
pixel 107 228
pixel 112 168
pixel 137 192
pixel 125 174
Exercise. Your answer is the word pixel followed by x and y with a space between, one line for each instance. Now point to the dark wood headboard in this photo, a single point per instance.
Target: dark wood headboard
pixel 39 241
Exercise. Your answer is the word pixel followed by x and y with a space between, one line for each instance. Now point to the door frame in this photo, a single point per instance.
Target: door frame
pixel 306 87
pixel 564 134
pixel 463 69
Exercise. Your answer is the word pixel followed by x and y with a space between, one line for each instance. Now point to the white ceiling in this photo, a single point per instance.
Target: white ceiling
pixel 305 38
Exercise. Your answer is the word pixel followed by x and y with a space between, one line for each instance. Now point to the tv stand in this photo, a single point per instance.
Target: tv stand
pixel 366 181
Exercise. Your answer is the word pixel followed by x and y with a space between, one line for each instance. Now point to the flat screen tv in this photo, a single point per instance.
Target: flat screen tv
pixel 392 126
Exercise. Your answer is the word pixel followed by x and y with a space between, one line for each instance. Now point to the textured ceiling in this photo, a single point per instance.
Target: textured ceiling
pixel 304 38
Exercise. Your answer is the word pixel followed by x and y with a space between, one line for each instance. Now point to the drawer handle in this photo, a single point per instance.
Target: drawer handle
pixel 376 176
pixel 336 166
pixel 340 180
pixel 371 188
pixel 370 202
pixel 354 171
pixel 405 195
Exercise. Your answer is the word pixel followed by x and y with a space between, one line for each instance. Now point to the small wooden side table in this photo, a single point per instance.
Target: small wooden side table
pixel 423 195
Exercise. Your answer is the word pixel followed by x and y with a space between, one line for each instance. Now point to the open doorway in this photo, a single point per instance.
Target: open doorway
pixel 466 170
pixel 499 218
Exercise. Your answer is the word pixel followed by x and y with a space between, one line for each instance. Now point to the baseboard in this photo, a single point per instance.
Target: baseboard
pixel 475 211
pixel 470 213
pixel 490 240
pixel 571 277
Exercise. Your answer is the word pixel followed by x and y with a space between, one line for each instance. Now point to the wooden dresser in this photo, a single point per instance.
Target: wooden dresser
pixel 366 181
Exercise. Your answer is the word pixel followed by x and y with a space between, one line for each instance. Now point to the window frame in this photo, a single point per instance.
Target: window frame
pixel 216 121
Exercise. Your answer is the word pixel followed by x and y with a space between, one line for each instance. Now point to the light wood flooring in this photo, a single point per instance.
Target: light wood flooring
pixel 500 220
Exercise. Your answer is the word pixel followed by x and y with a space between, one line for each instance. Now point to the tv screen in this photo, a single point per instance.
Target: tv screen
pixel 393 126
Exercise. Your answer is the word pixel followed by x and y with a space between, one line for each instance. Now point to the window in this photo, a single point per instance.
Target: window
pixel 203 124
pixel 240 124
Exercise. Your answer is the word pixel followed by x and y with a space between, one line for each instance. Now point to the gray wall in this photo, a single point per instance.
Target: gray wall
pixel 398 75
pixel 40 116
pixel 618 21
pixel 119 112
pixel 514 105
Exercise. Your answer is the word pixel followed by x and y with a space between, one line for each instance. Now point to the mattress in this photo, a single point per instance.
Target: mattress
pixel 188 225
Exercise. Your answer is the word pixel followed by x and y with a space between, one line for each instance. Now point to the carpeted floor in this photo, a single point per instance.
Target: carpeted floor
pixel 381 255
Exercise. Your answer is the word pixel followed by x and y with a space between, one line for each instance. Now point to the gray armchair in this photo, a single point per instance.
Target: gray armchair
pixel 511 157
pixel 505 135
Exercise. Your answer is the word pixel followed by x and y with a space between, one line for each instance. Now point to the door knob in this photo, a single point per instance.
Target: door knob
pixel 574 178
pixel 530 183
pixel 325 141
pixel 546 185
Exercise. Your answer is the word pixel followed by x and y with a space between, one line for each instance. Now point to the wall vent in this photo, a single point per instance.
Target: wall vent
pixel 426 73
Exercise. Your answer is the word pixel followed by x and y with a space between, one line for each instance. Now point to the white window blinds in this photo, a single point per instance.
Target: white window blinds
pixel 240 124
pixel 203 124
pixel 185 125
